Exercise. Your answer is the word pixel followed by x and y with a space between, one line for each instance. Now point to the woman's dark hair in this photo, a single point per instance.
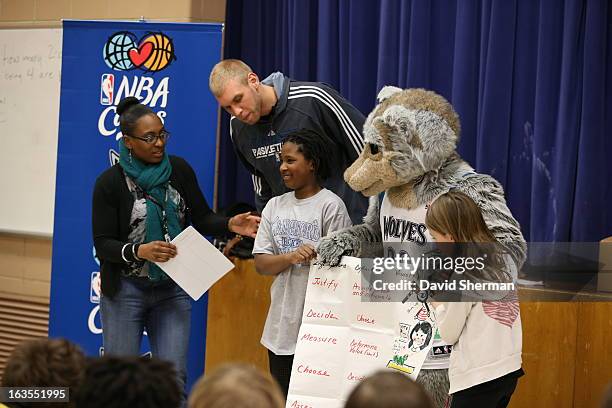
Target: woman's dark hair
pixel 311 145
pixel 425 327
pixel 130 110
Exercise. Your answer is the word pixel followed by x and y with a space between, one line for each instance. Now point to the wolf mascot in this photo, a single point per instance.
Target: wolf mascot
pixel 411 136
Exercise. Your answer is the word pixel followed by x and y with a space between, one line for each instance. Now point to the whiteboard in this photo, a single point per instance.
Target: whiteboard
pixel 30 64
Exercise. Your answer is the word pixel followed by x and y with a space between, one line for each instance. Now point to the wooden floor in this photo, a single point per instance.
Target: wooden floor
pixel 567 355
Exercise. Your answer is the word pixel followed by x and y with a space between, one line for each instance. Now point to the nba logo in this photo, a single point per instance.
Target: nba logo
pixel 95 288
pixel 107 87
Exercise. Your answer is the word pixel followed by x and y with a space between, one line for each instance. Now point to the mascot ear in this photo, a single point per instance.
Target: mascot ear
pixel 386 92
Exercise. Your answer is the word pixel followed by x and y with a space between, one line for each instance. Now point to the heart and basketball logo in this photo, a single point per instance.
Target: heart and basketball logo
pixel 123 51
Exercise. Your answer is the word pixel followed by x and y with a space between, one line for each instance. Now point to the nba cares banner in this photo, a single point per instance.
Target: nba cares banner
pixel 166 66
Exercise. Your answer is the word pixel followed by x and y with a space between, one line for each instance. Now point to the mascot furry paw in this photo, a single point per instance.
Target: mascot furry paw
pixel 411 137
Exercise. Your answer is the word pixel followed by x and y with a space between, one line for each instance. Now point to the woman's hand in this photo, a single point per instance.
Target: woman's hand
pixel 244 224
pixel 156 251
pixel 302 255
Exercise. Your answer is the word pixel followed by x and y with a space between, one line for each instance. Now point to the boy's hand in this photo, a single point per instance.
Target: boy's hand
pixel 302 255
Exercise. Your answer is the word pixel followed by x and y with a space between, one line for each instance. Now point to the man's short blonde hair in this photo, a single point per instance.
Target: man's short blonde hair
pixel 227 70
pixel 236 385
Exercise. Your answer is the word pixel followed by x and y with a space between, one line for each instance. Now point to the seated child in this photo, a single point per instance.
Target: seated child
pixel 45 363
pixel 129 382
pixel 388 389
pixel 237 386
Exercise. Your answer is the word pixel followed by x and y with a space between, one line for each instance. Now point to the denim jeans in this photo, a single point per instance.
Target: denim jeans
pixel 162 309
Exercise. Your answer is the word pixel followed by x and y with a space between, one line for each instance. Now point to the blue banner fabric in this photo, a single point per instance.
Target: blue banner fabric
pixel 166 66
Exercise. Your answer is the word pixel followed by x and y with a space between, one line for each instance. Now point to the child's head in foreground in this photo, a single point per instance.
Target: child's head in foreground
pixel 388 389
pixel 236 386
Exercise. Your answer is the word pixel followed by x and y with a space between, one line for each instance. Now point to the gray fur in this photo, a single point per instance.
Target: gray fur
pixel 456 174
pixel 370 134
pixel 485 191
pixel 355 241
pixel 436 385
pixel 424 145
pixel 362 241
pixel 422 138
pixel 401 120
pixel 489 195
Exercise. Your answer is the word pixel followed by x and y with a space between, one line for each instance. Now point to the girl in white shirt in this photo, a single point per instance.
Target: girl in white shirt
pixel 486 335
pixel 291 226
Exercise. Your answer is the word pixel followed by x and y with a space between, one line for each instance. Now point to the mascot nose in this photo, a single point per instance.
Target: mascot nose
pixel 362 173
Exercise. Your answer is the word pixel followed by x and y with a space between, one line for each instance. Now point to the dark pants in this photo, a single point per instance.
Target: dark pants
pixel 280 368
pixel 491 394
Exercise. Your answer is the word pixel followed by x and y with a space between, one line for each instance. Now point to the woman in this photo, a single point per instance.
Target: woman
pixel 139 205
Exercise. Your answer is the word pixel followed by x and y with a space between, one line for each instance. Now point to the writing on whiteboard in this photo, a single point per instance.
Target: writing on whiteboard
pixel 17 65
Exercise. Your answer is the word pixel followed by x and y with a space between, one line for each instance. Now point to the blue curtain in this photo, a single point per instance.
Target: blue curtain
pixel 531 81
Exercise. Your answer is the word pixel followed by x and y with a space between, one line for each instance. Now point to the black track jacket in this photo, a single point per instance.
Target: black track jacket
pixel 309 105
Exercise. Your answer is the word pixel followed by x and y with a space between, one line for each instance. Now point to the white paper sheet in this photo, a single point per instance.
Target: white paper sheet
pixel 197 265
pixel 345 337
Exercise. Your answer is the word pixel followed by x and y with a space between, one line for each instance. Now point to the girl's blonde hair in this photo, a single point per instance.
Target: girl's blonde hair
pixel 236 386
pixel 456 214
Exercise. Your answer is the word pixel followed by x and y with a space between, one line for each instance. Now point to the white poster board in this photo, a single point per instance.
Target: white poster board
pixel 348 332
pixel 30 65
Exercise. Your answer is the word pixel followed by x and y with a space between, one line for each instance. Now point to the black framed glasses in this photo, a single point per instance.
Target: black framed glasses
pixel 164 135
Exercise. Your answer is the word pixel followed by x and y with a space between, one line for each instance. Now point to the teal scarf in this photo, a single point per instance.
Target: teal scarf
pixel 153 179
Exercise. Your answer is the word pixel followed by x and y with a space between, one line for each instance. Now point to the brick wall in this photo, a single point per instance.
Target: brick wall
pixel 25 266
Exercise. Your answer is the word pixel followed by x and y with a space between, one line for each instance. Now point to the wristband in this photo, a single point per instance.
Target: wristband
pixel 123 255
pixel 135 251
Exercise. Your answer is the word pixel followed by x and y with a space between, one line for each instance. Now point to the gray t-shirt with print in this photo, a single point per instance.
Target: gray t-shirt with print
pixel 286 224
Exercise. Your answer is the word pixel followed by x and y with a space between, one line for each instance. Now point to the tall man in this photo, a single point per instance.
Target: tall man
pixel 263 112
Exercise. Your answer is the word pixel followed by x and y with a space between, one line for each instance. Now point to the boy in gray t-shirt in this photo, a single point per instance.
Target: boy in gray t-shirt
pixel 291 226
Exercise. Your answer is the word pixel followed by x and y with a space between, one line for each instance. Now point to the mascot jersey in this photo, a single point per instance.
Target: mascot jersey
pixel 399 225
